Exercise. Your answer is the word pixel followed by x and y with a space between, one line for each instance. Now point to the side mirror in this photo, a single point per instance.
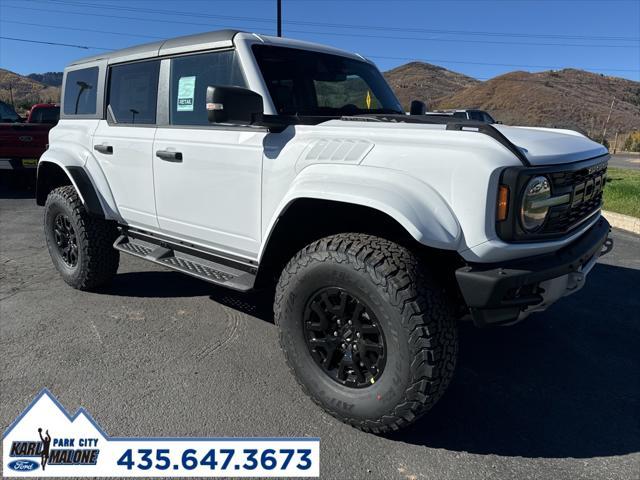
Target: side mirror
pixel 233 105
pixel 417 108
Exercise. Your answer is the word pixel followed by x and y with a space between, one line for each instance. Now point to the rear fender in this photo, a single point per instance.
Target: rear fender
pixel 86 175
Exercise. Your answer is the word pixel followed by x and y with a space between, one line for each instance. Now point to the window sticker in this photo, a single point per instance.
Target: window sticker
pixel 186 88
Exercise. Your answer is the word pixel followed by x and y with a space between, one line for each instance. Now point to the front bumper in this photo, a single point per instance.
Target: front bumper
pixel 506 292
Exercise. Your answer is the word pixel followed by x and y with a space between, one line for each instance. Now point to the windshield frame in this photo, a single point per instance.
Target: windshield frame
pixel 374 80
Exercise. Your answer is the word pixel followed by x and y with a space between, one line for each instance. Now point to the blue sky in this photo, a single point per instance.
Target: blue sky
pixel 481 38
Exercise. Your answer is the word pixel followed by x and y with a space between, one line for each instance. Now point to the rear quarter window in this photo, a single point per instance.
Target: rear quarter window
pixel 80 92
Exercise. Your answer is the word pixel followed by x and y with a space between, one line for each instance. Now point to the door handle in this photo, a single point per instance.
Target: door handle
pixel 106 149
pixel 169 155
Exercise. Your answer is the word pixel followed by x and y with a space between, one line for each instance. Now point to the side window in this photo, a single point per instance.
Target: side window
pixel 133 92
pixel 190 77
pixel 80 92
pixel 460 115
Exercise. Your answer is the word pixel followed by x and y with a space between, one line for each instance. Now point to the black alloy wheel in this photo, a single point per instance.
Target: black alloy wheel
pixel 66 239
pixel 344 337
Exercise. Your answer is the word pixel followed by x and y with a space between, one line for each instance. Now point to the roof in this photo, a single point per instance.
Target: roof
pixel 200 41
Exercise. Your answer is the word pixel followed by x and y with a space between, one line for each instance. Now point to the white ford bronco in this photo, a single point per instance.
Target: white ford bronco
pixel 256 162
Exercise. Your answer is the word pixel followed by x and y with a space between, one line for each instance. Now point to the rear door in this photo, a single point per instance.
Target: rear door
pixel 207 177
pixel 123 142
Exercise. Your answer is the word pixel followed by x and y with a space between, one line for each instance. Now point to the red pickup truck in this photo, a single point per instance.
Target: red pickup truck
pixel 23 141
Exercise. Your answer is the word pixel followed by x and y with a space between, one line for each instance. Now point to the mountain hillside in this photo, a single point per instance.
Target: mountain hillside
pixel 426 82
pixel 53 79
pixel 25 91
pixel 569 98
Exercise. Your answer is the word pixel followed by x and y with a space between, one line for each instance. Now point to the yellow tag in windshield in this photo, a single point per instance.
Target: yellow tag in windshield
pixel 367 100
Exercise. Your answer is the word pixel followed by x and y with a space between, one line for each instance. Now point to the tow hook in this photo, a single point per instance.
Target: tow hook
pixel 607 246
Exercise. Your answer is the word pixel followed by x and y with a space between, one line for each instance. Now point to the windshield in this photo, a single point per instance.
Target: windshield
pixel 8 114
pixel 303 82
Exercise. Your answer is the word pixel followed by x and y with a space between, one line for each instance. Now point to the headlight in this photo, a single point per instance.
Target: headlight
pixel 535 203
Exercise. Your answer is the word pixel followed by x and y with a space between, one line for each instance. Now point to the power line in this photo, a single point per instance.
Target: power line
pixel 84 47
pixel 348 26
pixel 452 40
pixel 121 17
pixel 316 33
pixel 340 34
pixel 55 27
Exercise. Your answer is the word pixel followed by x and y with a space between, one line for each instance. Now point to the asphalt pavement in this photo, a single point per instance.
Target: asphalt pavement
pixel 625 160
pixel 161 354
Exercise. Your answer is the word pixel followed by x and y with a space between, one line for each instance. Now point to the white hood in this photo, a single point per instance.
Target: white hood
pixel 548 146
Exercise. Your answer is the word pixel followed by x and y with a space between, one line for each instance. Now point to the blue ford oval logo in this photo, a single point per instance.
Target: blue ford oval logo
pixel 23 465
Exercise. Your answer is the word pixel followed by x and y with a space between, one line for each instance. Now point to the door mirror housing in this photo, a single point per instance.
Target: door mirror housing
pixel 233 105
pixel 417 108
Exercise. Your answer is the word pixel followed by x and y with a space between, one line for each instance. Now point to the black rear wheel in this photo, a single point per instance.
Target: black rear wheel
pixel 368 334
pixel 66 239
pixel 81 246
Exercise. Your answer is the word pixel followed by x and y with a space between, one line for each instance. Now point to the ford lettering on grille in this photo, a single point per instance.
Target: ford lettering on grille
pixel 585 191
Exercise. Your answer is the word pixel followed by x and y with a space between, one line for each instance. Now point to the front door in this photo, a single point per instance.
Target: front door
pixel 207 178
pixel 123 142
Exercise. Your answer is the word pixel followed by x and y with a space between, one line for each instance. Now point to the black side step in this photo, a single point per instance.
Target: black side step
pixel 193 265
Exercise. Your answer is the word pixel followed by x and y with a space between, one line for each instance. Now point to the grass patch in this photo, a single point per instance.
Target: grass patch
pixel 622 191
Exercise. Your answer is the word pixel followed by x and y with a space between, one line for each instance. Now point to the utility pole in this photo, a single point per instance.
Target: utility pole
pixel 11 95
pixel 604 130
pixel 615 143
pixel 279 2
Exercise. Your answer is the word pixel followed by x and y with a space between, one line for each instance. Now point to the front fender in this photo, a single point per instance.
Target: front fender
pixel 416 206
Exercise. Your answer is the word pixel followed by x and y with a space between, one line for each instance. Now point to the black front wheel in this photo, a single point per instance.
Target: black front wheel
pixel 81 246
pixel 368 334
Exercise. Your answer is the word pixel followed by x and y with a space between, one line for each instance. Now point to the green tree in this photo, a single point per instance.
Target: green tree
pixel 632 143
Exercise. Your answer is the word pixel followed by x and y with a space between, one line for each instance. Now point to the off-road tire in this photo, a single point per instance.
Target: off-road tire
pixel 413 309
pixel 97 260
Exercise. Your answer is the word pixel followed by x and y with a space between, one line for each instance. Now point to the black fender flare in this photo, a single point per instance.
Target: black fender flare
pixel 52 175
pixel 87 191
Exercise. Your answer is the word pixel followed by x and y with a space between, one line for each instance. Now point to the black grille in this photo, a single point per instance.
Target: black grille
pixel 579 186
pixel 564 218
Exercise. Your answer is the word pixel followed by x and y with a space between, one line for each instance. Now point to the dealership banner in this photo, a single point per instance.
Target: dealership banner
pixel 45 441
